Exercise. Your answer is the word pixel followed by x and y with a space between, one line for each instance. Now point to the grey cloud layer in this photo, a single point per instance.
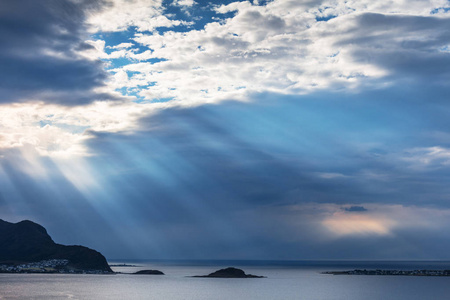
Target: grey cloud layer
pixel 407 46
pixel 243 167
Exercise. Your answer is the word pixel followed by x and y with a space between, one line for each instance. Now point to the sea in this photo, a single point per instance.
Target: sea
pixel 285 280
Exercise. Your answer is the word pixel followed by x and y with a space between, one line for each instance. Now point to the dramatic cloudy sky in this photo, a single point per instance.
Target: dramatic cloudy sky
pixel 283 129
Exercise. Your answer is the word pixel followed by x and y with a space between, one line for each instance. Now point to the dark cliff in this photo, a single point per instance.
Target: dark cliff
pixel 27 241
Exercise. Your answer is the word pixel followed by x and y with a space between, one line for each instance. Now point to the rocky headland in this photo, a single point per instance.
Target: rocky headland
pixel 26 247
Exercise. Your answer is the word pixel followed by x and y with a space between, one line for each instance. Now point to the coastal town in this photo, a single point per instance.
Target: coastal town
pixel 46 266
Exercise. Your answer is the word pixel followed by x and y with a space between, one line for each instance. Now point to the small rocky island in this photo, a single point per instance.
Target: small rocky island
pixel 148 272
pixel 392 272
pixel 229 273
pixel 26 247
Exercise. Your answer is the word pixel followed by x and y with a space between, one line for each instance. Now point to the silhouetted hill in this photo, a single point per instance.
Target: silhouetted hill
pixel 27 241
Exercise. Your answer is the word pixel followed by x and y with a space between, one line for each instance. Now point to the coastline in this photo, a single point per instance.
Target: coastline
pixel 287 283
pixel 50 266
pixel 441 273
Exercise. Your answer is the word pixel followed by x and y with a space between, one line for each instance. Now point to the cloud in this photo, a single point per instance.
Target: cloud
pixel 278 47
pixel 331 175
pixel 281 47
pixel 407 47
pixel 375 219
pixel 39 53
pixel 238 167
pixel 355 208
pixel 428 157
pixel 184 2
pixel 138 191
pixel 300 147
pixel 58 131
pixel 145 15
pixel 274 47
pixel 122 46
pixel 342 225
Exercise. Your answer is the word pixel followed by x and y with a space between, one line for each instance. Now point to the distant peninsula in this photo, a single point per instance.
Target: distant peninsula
pixel 392 272
pixel 229 273
pixel 26 247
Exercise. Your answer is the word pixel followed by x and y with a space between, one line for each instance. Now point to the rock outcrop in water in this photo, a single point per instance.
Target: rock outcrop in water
pixel 230 273
pixel 26 243
pixel 148 272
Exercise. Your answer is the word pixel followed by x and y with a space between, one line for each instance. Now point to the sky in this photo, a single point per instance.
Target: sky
pixel 194 129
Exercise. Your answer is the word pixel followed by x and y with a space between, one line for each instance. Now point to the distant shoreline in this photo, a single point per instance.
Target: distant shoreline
pixel 123 265
pixel 441 273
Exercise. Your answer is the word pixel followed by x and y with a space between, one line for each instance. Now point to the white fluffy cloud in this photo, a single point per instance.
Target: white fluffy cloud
pixel 145 15
pixel 184 2
pixel 282 47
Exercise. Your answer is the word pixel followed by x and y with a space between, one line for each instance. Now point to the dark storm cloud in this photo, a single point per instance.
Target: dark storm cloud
pixel 37 54
pixel 242 155
pixel 226 180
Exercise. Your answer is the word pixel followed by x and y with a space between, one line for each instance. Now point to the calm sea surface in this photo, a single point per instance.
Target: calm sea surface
pixel 286 280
